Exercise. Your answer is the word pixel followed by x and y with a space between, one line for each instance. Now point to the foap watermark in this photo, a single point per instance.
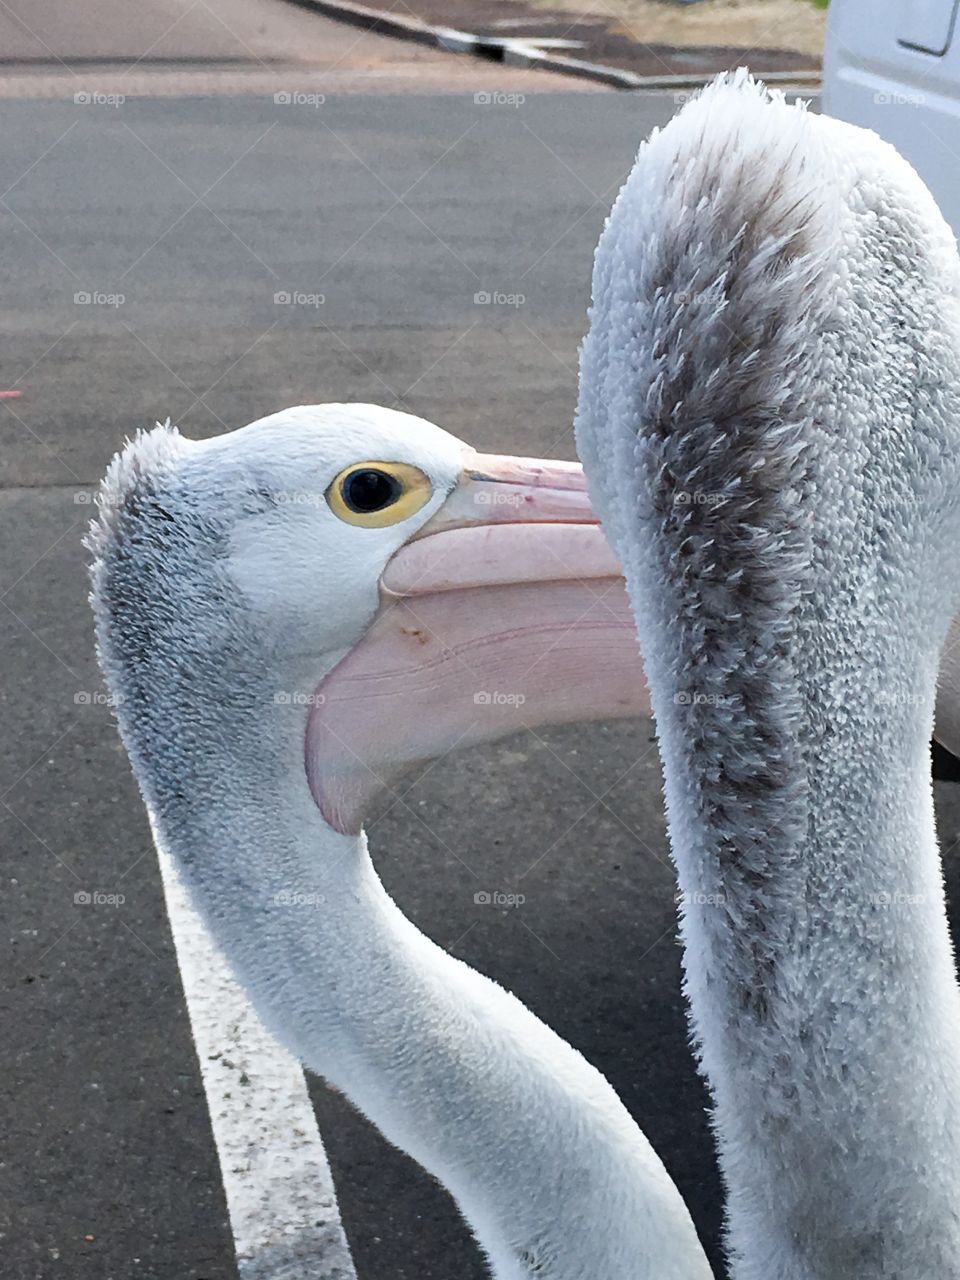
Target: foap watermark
pixel 298 498
pixel 297 698
pixel 494 298
pixel 497 98
pixel 695 297
pixel 96 698
pixel 697 498
pixel 693 698
pixel 899 698
pixel 95 298
pixel 498 498
pixel 98 497
pixel 298 898
pixel 97 898
pixel 297 298
pixel 895 898
pixel 697 898
pixel 86 98
pixel 897 98
pixel 494 698
pixel 497 898
pixel 295 98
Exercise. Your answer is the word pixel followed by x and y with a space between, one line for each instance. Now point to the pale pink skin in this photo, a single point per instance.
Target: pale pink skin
pixel 507 611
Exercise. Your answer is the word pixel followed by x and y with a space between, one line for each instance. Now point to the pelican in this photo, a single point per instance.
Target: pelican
pixel 769 419
pixel 286 616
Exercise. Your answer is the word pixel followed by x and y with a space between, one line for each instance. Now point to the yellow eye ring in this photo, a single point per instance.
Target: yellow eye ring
pixel 375 495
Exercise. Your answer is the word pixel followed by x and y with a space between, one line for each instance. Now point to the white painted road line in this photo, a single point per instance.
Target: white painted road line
pixel 280 1194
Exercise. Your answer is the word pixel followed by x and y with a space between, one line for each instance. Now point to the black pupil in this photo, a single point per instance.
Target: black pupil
pixel 369 490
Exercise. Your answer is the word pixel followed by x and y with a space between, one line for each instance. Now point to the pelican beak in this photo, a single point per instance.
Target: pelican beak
pixel 507 611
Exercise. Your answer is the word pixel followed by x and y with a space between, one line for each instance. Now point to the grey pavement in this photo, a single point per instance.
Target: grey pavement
pixel 398 210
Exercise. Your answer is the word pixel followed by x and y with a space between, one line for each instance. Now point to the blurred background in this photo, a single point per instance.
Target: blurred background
pixel 213 209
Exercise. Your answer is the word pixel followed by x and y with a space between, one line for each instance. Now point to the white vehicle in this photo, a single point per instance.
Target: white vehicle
pixel 894 66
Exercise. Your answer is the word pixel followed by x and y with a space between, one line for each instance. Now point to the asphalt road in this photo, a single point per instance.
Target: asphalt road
pixel 163 47
pixel 398 211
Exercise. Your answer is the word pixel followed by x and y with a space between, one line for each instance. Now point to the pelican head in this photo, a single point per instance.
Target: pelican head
pixel 365 571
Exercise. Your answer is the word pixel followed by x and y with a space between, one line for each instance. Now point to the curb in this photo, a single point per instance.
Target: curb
pixel 515 52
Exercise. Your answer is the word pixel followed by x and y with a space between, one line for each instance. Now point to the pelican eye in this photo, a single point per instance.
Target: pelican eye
pixel 376 494
pixel 367 491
